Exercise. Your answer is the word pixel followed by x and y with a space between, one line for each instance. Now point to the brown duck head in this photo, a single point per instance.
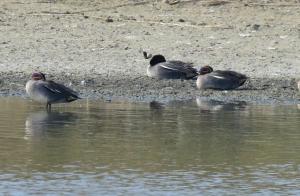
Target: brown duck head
pixel 206 70
pixel 38 76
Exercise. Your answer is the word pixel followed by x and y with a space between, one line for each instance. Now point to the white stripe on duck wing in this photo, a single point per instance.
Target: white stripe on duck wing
pixel 219 77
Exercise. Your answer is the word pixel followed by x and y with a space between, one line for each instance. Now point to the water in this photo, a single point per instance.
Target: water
pixel 119 148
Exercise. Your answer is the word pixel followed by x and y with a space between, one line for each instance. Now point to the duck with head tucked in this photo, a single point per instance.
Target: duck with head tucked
pixel 160 68
pixel 219 79
pixel 48 92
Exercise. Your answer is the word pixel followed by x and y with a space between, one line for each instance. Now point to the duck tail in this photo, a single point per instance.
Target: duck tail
pixel 146 55
pixel 243 80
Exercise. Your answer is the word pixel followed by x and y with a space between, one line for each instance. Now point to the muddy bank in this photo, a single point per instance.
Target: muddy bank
pixel 256 90
pixel 94 46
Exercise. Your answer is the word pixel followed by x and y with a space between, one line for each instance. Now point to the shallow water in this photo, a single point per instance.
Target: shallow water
pixel 176 148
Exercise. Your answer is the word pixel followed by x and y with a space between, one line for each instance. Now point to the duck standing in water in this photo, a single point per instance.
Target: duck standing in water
pixel 161 69
pixel 221 80
pixel 48 92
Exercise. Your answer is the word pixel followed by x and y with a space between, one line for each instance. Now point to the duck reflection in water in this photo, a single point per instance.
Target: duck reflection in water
pixel 156 106
pixel 156 109
pixel 42 124
pixel 214 105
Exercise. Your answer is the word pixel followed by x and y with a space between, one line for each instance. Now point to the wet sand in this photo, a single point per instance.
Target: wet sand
pixel 95 46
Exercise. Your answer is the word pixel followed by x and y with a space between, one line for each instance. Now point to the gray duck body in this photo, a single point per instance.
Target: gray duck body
pixel 49 92
pixel 220 80
pixel 161 69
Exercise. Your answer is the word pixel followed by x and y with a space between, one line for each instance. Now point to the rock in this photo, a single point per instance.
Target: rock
pixel 256 27
pixel 283 36
pixel 109 19
pixel 245 35
pixel 171 2
pixel 217 3
pixel 202 24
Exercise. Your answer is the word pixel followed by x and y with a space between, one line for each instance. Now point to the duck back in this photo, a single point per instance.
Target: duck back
pixel 172 70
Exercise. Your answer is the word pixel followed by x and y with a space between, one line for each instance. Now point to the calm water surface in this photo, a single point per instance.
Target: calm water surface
pixel 119 148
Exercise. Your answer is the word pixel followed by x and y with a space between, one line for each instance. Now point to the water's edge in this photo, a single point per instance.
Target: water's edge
pixel 256 90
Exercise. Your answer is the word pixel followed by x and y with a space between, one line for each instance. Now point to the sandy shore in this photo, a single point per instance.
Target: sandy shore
pixel 95 46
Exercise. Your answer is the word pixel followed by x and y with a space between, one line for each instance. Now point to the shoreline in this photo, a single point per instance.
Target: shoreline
pixel 144 89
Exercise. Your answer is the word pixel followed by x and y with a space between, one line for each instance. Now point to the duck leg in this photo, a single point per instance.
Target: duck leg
pixel 48 107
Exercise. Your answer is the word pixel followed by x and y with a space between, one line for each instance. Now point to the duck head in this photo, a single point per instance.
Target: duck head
pixel 157 59
pixel 206 70
pixel 38 76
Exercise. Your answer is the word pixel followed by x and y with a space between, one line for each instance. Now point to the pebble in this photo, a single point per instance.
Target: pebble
pixel 283 36
pixel 245 35
pixel 256 27
pixel 109 19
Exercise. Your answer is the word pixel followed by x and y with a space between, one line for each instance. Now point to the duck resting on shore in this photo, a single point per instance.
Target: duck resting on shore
pixel 219 79
pixel 160 68
pixel 48 92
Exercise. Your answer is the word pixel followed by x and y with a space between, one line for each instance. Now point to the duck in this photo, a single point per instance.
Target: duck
pixel 48 92
pixel 219 79
pixel 160 68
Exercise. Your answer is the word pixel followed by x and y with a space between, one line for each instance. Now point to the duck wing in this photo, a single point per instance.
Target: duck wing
pixel 61 91
pixel 230 75
pixel 179 66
